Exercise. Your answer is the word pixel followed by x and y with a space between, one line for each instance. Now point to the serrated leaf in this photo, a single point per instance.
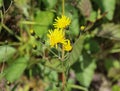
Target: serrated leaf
pixel 15 70
pixel 77 49
pixel 6 52
pixel 85 76
pixel 85 7
pixel 110 31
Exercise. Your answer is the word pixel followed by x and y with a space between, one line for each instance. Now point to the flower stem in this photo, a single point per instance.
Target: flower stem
pixel 63 53
pixel 63 7
pixel 63 73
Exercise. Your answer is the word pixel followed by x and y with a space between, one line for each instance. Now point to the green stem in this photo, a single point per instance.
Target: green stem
pixel 63 73
pixel 10 31
pixel 32 23
pixel 50 50
pixel 63 53
pixel 78 87
pixel 63 7
pixel 11 43
pixel 1 14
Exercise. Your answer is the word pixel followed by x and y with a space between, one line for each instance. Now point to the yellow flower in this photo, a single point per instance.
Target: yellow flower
pixel 62 22
pixel 67 46
pixel 56 36
pixel 32 32
pixel 82 28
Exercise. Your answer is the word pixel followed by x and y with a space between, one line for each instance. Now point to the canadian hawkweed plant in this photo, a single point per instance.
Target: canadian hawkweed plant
pixel 57 39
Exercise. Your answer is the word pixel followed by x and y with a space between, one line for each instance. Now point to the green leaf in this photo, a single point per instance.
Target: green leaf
pixel 43 19
pixel 108 63
pixel 55 64
pixel 76 52
pixel 15 70
pixel 116 64
pixel 115 48
pixel 85 7
pixel 109 30
pixel 111 63
pixel 50 3
pixel 93 16
pixel 0 3
pixel 116 88
pixel 74 27
pixel 85 75
pixel 72 12
pixel 91 45
pixel 114 73
pixel 6 52
pixel 107 6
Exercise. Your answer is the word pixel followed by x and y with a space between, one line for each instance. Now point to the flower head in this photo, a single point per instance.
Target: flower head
pixel 56 36
pixel 32 32
pixel 67 46
pixel 82 28
pixel 62 22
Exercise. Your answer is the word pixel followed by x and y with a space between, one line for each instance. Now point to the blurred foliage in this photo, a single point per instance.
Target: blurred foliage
pixel 27 63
